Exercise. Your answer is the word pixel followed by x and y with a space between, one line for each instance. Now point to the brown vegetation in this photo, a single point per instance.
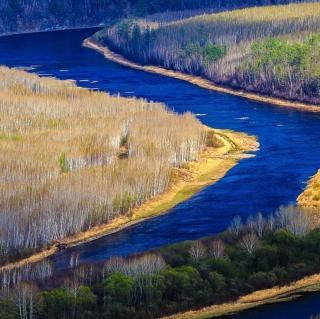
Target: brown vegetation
pixel 272 51
pixel 64 174
pixel 60 170
pixel 196 80
pixel 310 198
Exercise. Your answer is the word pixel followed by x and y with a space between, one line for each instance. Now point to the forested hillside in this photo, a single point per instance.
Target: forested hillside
pixel 72 158
pixel 271 50
pixel 32 15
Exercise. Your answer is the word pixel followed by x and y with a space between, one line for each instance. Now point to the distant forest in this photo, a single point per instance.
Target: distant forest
pixel 34 15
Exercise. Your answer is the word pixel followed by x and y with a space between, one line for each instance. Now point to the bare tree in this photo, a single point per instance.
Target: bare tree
pixel 217 248
pixel 249 242
pixel 197 250
pixel 271 223
pixel 293 219
pixel 135 266
pixel 250 223
pixel 259 224
pixel 25 296
pixel 235 225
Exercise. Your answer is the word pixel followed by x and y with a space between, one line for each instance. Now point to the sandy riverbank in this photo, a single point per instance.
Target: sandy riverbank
pixel 196 80
pixel 309 199
pixel 255 299
pixel 212 165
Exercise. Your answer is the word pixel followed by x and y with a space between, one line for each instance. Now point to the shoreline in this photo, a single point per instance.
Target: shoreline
pixel 309 284
pixel 197 80
pixel 212 165
pixel 309 199
pixel 9 34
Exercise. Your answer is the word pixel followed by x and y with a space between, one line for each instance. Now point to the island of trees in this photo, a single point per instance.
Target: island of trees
pixel 271 50
pixel 74 158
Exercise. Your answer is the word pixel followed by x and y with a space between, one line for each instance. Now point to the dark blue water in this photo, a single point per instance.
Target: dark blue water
pixel 289 153
pixel 301 308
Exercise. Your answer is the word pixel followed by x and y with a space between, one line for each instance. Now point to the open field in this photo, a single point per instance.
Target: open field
pixel 271 51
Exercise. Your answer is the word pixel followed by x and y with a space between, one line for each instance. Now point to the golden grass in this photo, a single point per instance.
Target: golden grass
pixel 199 81
pixel 73 160
pixel 267 13
pixel 61 171
pixel 309 199
pixel 212 165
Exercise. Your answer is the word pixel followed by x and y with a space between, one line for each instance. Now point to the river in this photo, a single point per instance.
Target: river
pixel 289 153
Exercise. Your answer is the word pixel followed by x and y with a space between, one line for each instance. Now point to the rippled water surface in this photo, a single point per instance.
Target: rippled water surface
pixel 289 153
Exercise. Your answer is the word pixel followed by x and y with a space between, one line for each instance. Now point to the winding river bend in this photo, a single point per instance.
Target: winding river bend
pixel 289 153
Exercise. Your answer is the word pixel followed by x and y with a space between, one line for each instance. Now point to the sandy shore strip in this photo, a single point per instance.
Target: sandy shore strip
pixel 212 165
pixel 259 298
pixel 197 80
pixel 310 198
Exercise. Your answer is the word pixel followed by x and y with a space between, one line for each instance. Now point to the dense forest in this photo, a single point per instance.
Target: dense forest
pixel 271 50
pixel 257 254
pixel 33 15
pixel 74 158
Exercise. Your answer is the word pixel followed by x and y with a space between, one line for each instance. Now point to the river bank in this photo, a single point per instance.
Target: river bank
pixel 9 34
pixel 197 80
pixel 256 299
pixel 310 198
pixel 212 165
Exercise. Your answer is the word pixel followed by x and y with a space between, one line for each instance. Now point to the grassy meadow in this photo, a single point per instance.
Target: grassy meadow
pixel 269 50
pixel 72 158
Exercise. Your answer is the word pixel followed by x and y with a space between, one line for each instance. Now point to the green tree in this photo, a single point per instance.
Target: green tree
pixel 8 310
pixel 57 303
pixel 86 303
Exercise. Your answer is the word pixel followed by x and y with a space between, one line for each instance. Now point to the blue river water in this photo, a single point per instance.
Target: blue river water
pixel 288 156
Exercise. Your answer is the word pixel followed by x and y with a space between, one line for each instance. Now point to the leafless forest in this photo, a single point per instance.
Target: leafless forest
pixel 270 50
pixel 72 158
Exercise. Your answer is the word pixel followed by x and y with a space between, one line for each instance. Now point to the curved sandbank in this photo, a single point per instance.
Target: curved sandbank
pixel 309 199
pixel 255 299
pixel 212 165
pixel 197 80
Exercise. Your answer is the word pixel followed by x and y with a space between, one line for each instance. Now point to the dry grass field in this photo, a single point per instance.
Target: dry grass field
pixel 72 159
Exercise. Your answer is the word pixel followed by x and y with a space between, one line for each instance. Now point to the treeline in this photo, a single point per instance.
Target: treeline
pixel 252 255
pixel 271 50
pixel 73 158
pixel 32 15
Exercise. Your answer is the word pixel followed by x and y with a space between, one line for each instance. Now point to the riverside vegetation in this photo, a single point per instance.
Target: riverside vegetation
pixel 258 254
pixel 310 198
pixel 74 158
pixel 36 15
pixel 270 50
